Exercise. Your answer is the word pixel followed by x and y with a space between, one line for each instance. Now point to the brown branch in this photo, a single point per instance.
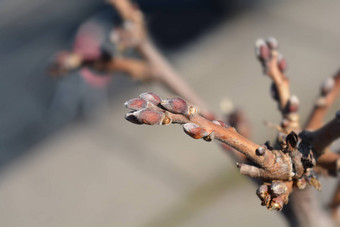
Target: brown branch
pixel 167 75
pixel 135 68
pixel 177 111
pixel 273 166
pixel 274 66
pixel 330 164
pixel 161 69
pixel 330 90
pixel 320 139
pixel 239 121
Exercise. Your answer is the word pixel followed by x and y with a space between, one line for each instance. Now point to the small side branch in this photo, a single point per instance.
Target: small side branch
pixel 329 91
pixel 323 137
pixel 274 66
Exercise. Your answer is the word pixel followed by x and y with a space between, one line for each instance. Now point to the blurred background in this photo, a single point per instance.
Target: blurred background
pixel 103 171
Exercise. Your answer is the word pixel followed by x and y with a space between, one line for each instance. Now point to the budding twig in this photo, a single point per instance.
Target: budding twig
pixel 286 164
pixel 329 91
pixel 160 68
pixel 274 65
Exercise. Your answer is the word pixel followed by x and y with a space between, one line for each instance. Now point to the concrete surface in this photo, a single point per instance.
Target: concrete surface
pixel 107 172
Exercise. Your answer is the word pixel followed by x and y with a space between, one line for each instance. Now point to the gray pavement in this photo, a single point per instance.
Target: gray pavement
pixel 107 172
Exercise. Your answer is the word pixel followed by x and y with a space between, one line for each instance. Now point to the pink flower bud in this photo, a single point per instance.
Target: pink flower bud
pixel 175 105
pixel 136 104
pixel 327 86
pixel 149 117
pixel 282 63
pixel 151 97
pixel 261 49
pixel 272 43
pixel 293 104
pixel 195 131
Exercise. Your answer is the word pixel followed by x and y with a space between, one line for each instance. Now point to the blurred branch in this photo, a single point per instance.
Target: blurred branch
pixel 329 91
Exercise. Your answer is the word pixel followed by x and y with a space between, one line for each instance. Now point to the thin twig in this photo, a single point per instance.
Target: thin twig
pixel 330 90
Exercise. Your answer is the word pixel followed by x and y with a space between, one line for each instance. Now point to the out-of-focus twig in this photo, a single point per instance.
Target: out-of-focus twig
pixel 161 69
pixel 330 90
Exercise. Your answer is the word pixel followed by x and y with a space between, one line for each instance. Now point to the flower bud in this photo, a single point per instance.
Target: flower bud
pixel 282 63
pixel 149 117
pixel 284 123
pixel 272 43
pixel 136 104
pixel 293 104
pixel 278 188
pixel 261 151
pixel 151 97
pixel 262 192
pixel 261 50
pixel 327 86
pixel 195 131
pixel 175 105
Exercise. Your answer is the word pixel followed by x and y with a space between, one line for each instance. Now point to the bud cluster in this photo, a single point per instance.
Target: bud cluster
pixel 150 109
pixel 265 50
pixel 273 195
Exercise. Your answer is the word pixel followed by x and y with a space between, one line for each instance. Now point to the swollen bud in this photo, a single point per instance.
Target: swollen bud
pixel 151 97
pixel 195 131
pixel 281 63
pixel 262 192
pixel 261 50
pixel 136 104
pixel 261 150
pixel 149 117
pixel 293 104
pixel 327 86
pixel 278 188
pixel 175 105
pixel 272 43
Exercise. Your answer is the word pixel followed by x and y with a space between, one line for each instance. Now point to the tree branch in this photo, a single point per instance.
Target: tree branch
pixel 274 66
pixel 329 91
pixel 276 167
pixel 320 139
